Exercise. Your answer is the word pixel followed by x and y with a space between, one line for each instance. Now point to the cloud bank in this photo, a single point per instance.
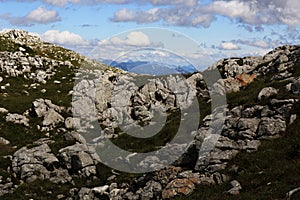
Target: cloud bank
pixel 38 16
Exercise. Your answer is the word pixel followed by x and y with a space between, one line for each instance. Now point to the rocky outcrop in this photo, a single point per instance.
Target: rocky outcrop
pixel 122 102
pixel 38 162
pixel 243 129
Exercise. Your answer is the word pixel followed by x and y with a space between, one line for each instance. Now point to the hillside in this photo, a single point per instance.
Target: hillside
pixel 233 135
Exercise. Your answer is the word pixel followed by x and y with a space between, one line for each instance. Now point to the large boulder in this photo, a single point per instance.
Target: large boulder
pixel 80 159
pixel 267 92
pixel 38 162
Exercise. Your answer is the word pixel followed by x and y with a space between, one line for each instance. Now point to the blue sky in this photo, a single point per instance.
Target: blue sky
pixel 219 28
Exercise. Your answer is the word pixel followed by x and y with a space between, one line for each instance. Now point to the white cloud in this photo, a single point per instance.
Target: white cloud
pixel 134 38
pixel 61 2
pixel 42 15
pixel 178 15
pixel 124 15
pixel 255 43
pixel 93 2
pixel 194 13
pixel 64 38
pixel 229 46
pixel 38 16
pixel 174 2
pixel 267 12
pixel 233 9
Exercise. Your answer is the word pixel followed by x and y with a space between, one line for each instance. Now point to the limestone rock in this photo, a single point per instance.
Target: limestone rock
pixel 271 127
pixel 41 107
pixel 38 162
pixel 3 110
pixel 4 141
pixel 17 119
pixel 52 118
pixel 236 187
pixel 295 87
pixel 267 92
pixel 79 158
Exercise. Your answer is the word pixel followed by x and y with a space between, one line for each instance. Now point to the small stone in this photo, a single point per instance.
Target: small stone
pixel 43 91
pixel 3 110
pixel 3 141
pixel 236 187
pixel 101 190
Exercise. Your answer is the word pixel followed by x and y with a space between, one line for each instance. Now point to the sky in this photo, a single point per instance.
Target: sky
pixel 174 31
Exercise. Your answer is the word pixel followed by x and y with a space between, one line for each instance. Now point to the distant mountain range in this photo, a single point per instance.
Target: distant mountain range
pixel 153 68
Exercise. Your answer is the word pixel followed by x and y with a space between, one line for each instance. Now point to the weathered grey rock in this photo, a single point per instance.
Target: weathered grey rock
pixel 4 141
pixel 267 112
pixel 85 194
pixel 3 110
pixel 41 107
pixel 236 187
pixel 52 118
pixel 252 111
pixel 41 76
pixel 236 111
pixel 267 92
pixel 17 119
pixel 212 179
pixel 116 194
pixel 152 190
pixel 271 126
pixel 72 123
pixel 224 86
pixel 101 190
pixel 250 145
pixel 293 118
pixel 38 162
pixel 295 87
pixel 247 123
pixel 6 188
pixel 215 160
pixel 74 137
pixel 224 143
pixel 79 158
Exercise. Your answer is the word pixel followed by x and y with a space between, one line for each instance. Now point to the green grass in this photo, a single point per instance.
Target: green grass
pixel 140 145
pixel 39 190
